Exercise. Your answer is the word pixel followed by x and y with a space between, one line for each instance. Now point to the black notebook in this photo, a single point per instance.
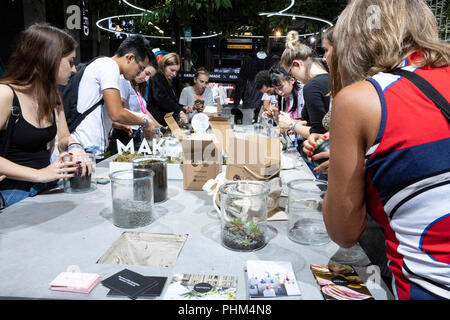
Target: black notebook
pixel 129 283
pixel 151 292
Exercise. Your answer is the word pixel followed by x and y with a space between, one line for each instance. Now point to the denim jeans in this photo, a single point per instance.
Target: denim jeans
pixel 15 191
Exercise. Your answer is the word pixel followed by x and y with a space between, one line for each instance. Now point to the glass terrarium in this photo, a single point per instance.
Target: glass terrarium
pixel 244 215
pixel 132 198
pixel 159 166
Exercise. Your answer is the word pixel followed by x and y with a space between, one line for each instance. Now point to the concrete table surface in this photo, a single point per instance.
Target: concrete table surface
pixel 51 233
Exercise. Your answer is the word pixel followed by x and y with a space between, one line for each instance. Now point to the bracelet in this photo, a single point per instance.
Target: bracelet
pixel 74 146
pixel 146 123
pixel 296 137
pixel 74 143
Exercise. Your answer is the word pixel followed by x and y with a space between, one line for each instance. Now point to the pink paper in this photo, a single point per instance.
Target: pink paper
pixel 75 282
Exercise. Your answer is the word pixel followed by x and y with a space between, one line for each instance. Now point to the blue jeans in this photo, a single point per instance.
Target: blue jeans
pixel 15 191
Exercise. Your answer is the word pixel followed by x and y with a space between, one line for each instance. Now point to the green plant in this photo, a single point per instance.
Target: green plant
pixel 236 226
pixel 253 231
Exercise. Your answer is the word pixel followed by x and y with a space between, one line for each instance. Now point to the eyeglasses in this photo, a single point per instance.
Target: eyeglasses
pixel 141 67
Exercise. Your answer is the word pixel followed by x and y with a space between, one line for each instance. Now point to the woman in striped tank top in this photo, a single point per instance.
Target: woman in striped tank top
pixel 390 143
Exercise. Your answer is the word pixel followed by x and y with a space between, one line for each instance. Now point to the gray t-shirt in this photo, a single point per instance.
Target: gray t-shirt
pixel 187 97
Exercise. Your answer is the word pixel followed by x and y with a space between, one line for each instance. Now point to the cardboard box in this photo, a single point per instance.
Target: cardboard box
pixel 201 157
pixel 211 111
pixel 257 158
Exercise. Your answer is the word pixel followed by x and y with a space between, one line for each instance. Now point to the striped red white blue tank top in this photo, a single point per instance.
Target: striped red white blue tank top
pixel 408 183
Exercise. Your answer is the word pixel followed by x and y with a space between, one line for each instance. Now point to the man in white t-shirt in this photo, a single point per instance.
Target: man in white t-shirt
pixel 101 79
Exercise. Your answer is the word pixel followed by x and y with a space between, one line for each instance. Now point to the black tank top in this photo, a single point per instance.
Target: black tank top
pixel 28 145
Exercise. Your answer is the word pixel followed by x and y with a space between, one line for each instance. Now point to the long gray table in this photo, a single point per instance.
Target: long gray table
pixel 50 233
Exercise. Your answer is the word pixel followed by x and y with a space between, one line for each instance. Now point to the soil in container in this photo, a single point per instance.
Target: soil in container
pixel 80 183
pixel 131 214
pixel 159 180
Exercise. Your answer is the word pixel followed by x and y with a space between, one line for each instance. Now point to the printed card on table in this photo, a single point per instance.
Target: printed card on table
pixel 340 282
pixel 271 279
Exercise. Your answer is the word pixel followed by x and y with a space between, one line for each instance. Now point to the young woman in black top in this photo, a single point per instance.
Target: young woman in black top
pixel 298 59
pixel 31 115
pixel 162 96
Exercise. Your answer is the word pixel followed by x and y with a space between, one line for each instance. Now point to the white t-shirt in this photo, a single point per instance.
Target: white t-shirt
pixel 93 131
pixel 273 98
pixel 133 102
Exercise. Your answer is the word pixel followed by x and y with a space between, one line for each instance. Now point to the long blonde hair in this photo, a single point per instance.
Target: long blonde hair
pixel 295 50
pixel 373 36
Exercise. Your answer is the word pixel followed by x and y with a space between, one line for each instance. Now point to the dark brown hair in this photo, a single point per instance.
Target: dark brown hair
pixel 35 63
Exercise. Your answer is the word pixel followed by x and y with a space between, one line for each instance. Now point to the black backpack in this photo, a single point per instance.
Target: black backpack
pixel 69 94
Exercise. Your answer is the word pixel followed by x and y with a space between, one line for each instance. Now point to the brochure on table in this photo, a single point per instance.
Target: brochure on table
pixel 271 279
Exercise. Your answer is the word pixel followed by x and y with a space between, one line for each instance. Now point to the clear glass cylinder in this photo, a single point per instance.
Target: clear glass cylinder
pixel 132 198
pixel 159 166
pixel 82 183
pixel 244 215
pixel 305 224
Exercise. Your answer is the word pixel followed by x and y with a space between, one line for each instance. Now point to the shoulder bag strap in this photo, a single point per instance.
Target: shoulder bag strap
pixel 427 89
pixel 14 117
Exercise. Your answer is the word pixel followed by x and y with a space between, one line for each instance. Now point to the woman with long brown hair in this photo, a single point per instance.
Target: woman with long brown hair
pixel 31 114
pixel 390 140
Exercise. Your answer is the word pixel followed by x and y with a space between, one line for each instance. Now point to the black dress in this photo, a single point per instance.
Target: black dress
pixel 162 99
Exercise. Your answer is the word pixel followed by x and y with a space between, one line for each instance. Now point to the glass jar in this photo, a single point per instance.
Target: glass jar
pixel 244 215
pixel 82 183
pixel 132 197
pixel 305 224
pixel 159 166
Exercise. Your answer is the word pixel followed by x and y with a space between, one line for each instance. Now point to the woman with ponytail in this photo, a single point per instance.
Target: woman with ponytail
pixel 299 61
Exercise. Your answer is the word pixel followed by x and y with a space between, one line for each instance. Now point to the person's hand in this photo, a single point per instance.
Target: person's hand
pixel 62 167
pixel 310 145
pixel 323 167
pixel 123 127
pixel 188 109
pixel 82 160
pixel 271 113
pixel 2 178
pixel 184 118
pixel 284 121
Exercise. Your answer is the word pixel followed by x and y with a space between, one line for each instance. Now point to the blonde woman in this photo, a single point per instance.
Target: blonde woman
pixel 390 143
pixel 299 60
pixel 163 98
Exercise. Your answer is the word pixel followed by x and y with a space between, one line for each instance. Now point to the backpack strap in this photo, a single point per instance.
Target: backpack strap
pixel 83 115
pixel 430 91
pixel 16 111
